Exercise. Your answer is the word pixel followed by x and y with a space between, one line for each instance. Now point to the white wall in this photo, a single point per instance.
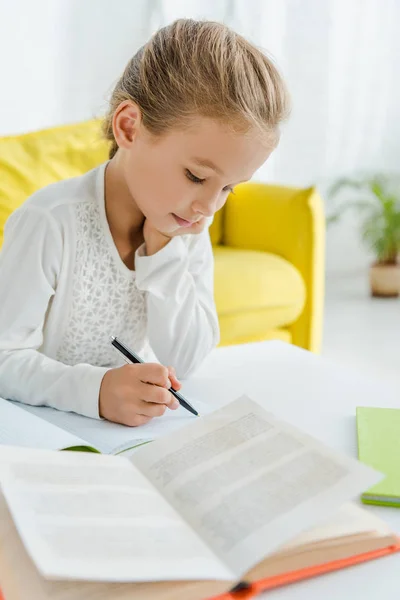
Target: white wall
pixel 30 64
pixel 59 59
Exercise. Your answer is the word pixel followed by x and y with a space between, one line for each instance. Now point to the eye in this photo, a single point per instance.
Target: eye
pixel 197 180
pixel 193 178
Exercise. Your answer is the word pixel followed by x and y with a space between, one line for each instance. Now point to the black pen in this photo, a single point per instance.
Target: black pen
pixel 130 356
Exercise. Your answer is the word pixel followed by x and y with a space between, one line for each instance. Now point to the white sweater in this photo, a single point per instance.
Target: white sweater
pixel 64 290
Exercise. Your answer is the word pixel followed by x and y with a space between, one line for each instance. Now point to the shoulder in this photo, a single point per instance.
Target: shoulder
pixel 67 192
pixel 50 206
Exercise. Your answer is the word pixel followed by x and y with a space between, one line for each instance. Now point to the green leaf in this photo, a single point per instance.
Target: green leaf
pixel 378 189
pixel 379 209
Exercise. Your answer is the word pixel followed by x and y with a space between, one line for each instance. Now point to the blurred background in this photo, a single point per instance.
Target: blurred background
pixel 60 58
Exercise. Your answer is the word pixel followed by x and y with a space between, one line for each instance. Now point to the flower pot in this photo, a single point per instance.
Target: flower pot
pixel 385 280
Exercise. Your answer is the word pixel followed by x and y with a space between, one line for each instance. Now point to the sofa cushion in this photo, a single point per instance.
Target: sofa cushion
pixel 234 329
pixel 31 161
pixel 264 286
pixel 217 227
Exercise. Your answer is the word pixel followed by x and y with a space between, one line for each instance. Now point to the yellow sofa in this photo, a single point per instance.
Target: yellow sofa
pixel 268 240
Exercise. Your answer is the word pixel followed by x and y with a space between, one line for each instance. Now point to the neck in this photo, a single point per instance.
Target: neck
pixel 123 215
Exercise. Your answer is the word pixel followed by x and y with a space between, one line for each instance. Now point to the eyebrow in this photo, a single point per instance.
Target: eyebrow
pixel 204 162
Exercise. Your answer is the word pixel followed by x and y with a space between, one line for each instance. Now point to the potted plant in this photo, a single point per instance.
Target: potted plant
pixel 377 199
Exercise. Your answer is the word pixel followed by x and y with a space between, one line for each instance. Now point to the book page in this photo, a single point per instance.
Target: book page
pixel 21 428
pixel 112 438
pixel 19 578
pixel 248 483
pixel 93 517
pixel 348 521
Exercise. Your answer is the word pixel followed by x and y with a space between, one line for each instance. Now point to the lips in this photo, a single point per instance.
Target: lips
pixel 182 222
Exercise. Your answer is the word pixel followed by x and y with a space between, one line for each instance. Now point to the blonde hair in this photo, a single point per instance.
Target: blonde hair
pixel 200 68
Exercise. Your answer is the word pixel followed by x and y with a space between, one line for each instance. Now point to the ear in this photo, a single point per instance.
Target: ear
pixel 126 122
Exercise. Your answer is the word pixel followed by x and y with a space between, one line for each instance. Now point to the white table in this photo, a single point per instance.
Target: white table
pixel 320 397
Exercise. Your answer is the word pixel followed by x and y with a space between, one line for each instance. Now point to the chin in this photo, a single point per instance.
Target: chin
pixel 170 225
pixel 167 225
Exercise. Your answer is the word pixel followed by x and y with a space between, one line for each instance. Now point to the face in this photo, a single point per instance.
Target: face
pixel 180 178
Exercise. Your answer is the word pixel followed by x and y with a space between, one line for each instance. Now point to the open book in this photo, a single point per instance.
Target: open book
pixel 230 497
pixel 47 428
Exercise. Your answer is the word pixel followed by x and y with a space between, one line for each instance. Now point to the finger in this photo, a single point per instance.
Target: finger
pixel 135 420
pixel 155 394
pixel 174 380
pixel 155 374
pixel 174 403
pixel 176 384
pixel 150 409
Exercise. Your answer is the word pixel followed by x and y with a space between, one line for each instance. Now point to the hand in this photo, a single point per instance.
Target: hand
pixel 156 240
pixel 175 383
pixel 133 394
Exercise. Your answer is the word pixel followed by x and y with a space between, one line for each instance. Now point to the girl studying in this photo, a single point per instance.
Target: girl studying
pixel 124 250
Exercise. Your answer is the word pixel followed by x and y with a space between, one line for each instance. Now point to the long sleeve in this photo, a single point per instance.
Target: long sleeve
pixel 182 319
pixel 29 265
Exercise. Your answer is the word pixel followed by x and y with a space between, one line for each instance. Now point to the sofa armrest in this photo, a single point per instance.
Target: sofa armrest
pixel 288 222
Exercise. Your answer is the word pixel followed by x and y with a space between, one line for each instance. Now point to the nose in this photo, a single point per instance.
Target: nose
pixel 206 205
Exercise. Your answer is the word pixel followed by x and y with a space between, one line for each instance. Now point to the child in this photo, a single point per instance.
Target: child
pixel 124 250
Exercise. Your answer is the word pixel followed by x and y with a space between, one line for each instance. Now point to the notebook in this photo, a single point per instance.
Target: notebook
pixel 235 500
pixel 47 428
pixel 378 431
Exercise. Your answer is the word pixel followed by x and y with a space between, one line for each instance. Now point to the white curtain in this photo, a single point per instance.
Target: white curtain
pixel 340 58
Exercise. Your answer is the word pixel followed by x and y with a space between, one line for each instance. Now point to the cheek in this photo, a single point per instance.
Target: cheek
pixel 221 201
pixel 165 195
pixel 147 192
pixel 158 197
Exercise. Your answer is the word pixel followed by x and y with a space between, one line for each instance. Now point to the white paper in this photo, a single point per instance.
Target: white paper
pixel 21 428
pixel 92 517
pixel 247 483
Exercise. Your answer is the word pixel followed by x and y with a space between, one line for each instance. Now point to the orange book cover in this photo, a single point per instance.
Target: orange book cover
pixel 245 592
pixel 250 591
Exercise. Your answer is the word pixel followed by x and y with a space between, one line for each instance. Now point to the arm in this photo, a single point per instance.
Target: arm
pixel 288 222
pixel 182 320
pixel 29 266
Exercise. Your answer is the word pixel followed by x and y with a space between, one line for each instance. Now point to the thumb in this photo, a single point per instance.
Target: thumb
pixel 174 380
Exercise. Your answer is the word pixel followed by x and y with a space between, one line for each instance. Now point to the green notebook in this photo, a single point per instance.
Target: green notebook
pixel 379 447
